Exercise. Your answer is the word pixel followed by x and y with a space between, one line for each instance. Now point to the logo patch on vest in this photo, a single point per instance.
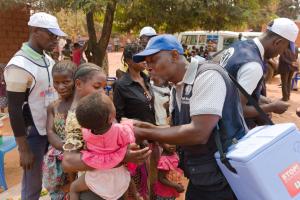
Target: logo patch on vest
pixel 226 56
pixel 187 90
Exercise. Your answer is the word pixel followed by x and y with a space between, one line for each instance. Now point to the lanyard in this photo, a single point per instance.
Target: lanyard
pixel 47 68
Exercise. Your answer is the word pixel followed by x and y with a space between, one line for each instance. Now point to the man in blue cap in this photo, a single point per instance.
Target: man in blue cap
pixel 30 90
pixel 197 103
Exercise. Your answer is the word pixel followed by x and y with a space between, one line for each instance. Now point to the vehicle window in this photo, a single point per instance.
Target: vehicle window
pixel 191 40
pixel 183 39
pixel 202 40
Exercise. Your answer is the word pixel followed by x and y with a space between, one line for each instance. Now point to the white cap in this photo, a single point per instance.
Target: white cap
pixel 285 27
pixel 148 31
pixel 44 20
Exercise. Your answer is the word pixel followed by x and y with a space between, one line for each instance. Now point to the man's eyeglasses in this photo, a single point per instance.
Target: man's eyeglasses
pixel 51 35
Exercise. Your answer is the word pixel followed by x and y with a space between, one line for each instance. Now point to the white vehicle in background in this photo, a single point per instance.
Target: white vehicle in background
pixel 214 41
pixel 250 35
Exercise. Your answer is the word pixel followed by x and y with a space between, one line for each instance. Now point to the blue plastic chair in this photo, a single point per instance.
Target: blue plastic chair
pixel 8 144
pixel 295 80
pixel 109 88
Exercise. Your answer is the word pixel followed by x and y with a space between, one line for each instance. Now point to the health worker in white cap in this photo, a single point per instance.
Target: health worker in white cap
pixel 244 60
pixel 146 34
pixel 28 76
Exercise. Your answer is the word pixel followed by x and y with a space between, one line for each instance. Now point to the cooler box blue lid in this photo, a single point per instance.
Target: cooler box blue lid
pixel 257 140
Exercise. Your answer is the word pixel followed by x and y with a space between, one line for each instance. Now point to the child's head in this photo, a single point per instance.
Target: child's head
pixel 89 78
pixel 130 50
pixel 95 111
pixel 63 82
pixel 169 148
pixel 76 45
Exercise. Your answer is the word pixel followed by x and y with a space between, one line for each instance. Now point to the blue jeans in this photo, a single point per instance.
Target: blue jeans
pixel 32 179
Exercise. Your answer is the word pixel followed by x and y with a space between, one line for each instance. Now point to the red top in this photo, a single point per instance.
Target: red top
pixel 174 174
pixel 76 56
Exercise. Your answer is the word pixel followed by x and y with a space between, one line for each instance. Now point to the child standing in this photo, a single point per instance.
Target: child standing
pixel 106 144
pixel 54 179
pixel 169 184
pixel 3 98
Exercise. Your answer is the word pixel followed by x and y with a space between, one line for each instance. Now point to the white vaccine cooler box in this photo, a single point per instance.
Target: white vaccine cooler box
pixel 267 161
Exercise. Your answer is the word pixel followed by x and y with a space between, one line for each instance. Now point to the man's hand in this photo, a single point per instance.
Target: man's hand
pixel 264 100
pixel 136 155
pixel 279 107
pixel 25 153
pixel 141 124
pixel 138 125
pixel 179 188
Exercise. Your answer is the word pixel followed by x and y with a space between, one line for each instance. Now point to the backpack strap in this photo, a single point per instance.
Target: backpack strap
pixel 252 101
pixel 216 132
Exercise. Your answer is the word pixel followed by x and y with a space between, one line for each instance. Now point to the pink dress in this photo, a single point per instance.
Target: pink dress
pixel 174 174
pixel 108 150
pixel 104 153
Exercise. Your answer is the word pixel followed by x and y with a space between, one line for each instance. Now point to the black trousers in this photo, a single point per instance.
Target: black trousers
pixel 197 193
pixel 286 82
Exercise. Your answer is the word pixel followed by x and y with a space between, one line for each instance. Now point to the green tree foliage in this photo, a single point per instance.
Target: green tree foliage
pixel 179 15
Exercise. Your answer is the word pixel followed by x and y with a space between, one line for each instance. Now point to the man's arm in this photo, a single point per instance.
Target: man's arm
pixel 197 132
pixel 248 77
pixel 278 107
pixel 16 86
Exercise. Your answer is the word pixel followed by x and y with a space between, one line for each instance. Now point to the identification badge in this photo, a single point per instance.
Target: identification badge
pixel 50 96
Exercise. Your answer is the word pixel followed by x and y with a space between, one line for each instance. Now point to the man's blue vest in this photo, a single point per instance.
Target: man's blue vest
pixel 198 161
pixel 237 55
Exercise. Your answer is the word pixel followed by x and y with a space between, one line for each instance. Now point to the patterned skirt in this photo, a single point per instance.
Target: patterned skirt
pixel 53 176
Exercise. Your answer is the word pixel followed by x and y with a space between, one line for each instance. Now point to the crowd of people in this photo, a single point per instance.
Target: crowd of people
pixel 160 125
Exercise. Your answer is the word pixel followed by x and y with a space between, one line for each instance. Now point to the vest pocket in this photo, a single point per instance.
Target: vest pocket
pixel 205 174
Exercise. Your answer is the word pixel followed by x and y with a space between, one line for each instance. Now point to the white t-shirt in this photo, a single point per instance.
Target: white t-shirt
pixel 160 98
pixel 250 73
pixel 209 92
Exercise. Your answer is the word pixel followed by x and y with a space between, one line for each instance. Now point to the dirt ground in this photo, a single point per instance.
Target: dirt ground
pixel 13 171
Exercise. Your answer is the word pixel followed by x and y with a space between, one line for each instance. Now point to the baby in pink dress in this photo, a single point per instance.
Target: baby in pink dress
pixel 106 146
pixel 168 185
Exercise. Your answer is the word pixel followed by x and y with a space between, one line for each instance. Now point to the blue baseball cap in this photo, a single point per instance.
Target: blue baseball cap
pixel 159 43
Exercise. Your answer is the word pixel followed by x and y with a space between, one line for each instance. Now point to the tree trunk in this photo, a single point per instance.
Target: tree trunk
pixel 92 37
pixel 106 32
